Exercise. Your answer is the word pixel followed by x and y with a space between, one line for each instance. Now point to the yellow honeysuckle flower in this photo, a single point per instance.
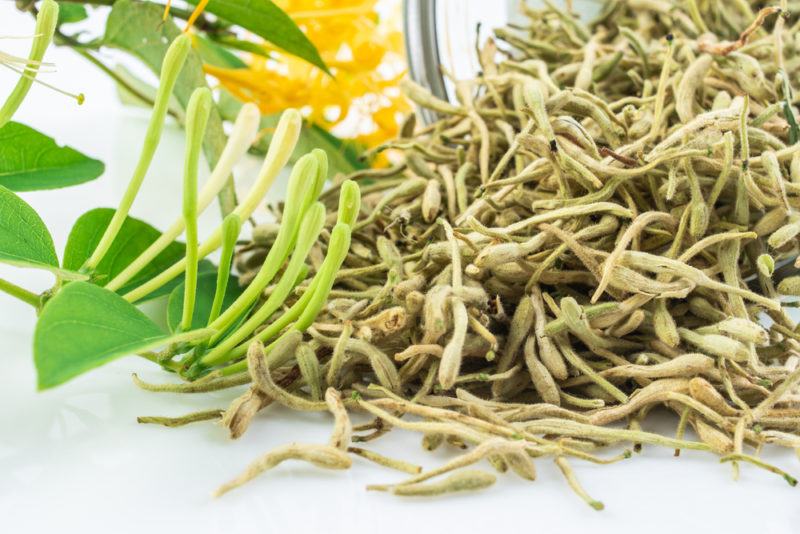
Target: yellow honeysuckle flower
pixel 363 50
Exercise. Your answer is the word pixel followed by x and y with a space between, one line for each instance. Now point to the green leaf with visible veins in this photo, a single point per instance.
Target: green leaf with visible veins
pixel 24 239
pixel 139 28
pixel 85 326
pixel 30 160
pixel 206 290
pixel 269 22
pixel 134 237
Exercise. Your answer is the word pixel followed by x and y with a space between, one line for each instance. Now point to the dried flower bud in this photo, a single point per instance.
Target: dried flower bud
pixel 716 344
pixel 784 234
pixel 766 265
pixel 431 201
pixel 790 286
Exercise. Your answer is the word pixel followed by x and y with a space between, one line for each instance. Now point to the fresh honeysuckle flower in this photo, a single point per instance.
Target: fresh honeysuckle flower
pixel 364 51
pixel 28 68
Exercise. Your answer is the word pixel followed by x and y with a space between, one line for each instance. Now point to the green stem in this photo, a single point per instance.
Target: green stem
pixel 173 63
pixel 22 294
pixel 197 115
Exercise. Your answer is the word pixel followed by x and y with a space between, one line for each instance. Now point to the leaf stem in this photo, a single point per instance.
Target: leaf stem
pixel 171 68
pixel 20 293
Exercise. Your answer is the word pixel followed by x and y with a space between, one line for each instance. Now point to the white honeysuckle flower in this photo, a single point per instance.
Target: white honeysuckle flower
pixel 31 68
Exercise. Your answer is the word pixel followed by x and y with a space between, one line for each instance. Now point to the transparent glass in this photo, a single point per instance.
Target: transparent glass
pixel 441 36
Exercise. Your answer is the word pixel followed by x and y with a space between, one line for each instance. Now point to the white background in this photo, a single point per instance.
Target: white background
pixel 75 460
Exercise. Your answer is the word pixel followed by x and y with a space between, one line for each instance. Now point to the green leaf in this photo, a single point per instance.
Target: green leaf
pixel 24 239
pixel 206 288
pixel 69 12
pixel 133 239
pixel 138 28
pixel 30 160
pixel 241 44
pixel 216 55
pixel 85 326
pixel 269 22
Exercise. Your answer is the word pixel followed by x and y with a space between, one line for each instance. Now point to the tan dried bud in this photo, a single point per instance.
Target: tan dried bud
pixel 716 344
pixel 698 219
pixel 467 480
pixel 719 442
pixel 744 330
pixel 790 286
pixel 664 324
pixel 431 201
pixel 784 234
pixel 771 221
pixel 500 254
pixel 703 391
pixel 242 410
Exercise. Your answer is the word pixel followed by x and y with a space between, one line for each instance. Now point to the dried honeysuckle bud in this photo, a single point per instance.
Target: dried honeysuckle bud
pixel 716 344
pixel 342 428
pixel 691 81
pixel 790 286
pixel 698 219
pixel 771 221
pixel 388 252
pixel 542 380
pixel 498 462
pixel 784 234
pixel 453 352
pixel 521 463
pixel 766 265
pixel 323 456
pixel 242 410
pixel 467 480
pixel 495 255
pixel 702 390
pixel 415 302
pixel 310 369
pixel 664 325
pixel 719 442
pixel 744 330
pixel 705 310
pixel 431 201
pixel 521 324
pixel 415 283
pixel 388 322
pixel 435 320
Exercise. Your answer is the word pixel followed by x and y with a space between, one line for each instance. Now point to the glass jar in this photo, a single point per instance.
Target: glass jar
pixel 441 36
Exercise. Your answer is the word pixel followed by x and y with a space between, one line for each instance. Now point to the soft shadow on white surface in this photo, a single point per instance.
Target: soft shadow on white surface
pixel 75 460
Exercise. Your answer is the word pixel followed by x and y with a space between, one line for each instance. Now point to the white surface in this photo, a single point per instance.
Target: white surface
pixel 75 460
